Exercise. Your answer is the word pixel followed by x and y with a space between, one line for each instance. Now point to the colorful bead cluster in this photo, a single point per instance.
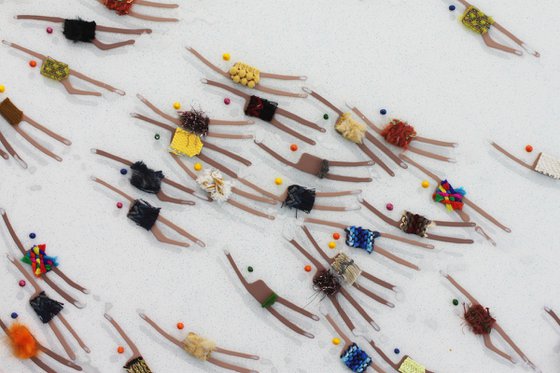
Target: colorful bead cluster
pixel 450 197
pixel 38 259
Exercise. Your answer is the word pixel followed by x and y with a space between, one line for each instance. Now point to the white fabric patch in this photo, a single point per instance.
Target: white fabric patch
pixel 548 165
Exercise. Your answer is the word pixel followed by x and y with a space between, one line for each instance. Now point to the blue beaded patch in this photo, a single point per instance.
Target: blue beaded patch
pixel 361 238
pixel 356 359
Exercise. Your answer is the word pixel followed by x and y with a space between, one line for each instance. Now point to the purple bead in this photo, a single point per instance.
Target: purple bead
pixel 49 30
pixel 227 101
pixel 389 206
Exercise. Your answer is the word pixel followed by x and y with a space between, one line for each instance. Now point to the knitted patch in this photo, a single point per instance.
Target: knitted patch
pixel 350 128
pixel 261 108
pixel 54 69
pixel 415 224
pixel 326 282
pixel 411 366
pixel 79 30
pixel 143 214
pixel 548 165
pixel 476 20
pixel 270 300
pixel 361 238
pixel 356 359
pixel 137 365
pixel 10 112
pixel 45 307
pixel 199 347
pixel 185 143
pixel 122 7
pixel 450 197
pixel 39 260
pixel 300 198
pixel 145 178
pixel 245 74
pixel 213 182
pixel 345 268
pixel 399 133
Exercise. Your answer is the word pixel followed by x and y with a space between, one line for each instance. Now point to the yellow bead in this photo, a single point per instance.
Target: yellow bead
pixel 176 105
pixel 244 81
pixel 251 84
pixel 332 245
pixel 2 88
pixel 250 75
pixel 242 73
pixel 278 181
pixel 233 70
pixel 236 78
pixel 197 166
pixel 425 184
pixel 336 341
pixel 226 56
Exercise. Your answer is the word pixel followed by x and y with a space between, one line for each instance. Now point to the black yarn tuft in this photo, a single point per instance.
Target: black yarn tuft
pixel 300 198
pixel 145 178
pixel 45 307
pixel 195 121
pixel 79 30
pixel 143 214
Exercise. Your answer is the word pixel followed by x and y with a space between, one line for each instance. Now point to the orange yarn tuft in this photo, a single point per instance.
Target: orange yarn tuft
pixel 24 345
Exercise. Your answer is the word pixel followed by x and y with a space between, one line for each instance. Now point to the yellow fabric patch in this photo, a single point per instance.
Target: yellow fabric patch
pixel 198 346
pixel 185 143
pixel 476 20
pixel 350 128
pixel 411 366
pixel 54 69
pixel 245 74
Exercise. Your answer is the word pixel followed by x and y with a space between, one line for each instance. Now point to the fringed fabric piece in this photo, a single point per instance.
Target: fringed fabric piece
pixel 10 112
pixel 261 108
pixel 548 165
pixel 356 359
pixel 122 7
pixel 39 260
pixel 185 143
pixel 476 20
pixel 54 69
pixel 199 347
pixel 195 121
pixel 345 268
pixel 23 343
pixel 350 128
pixel 213 182
pixel 143 214
pixel 145 178
pixel 45 307
pixel 450 197
pixel 479 319
pixel 325 167
pixel 300 198
pixel 411 366
pixel 244 74
pixel 326 282
pixel 415 224
pixel 270 300
pixel 137 365
pixel 361 238
pixel 399 133
pixel 79 30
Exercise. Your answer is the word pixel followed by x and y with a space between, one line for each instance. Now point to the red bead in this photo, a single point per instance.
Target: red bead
pixel 120 349
pixel 49 30
pixel 119 205
pixel 307 268
pixel 227 101
pixel 22 283
pixel 528 148
pixel 32 63
pixel 389 206
pixel 293 147
pixel 180 325
pixel 336 236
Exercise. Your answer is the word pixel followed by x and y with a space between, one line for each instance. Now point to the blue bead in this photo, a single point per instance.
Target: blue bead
pixel 451 7
pixel 124 171
pixel 397 351
pixel 14 315
pixel 383 111
pixel 32 235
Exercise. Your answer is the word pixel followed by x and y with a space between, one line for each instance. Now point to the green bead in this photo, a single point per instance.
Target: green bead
pixel 455 302
pixel 156 136
pixel 250 269
pixel 326 116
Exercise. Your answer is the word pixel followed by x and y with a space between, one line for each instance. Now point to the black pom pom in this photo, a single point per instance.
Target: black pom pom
pixel 300 198
pixel 145 178
pixel 78 30
pixel 326 282
pixel 143 214
pixel 45 307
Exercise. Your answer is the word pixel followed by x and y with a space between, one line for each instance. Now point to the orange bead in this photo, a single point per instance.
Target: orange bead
pixel 293 147
pixel 307 268
pixel 32 63
pixel 336 236
pixel 180 325
pixel 528 148
pixel 120 349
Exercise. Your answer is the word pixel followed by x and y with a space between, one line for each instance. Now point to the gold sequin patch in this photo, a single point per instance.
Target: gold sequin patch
pixel 411 366
pixel 476 20
pixel 54 69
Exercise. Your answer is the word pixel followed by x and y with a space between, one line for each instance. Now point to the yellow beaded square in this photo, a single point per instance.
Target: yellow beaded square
pixel 185 143
pixel 245 74
pixel 54 69
pixel 411 366
pixel 476 20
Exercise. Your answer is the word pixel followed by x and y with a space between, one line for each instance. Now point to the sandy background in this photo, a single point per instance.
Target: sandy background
pixel 412 58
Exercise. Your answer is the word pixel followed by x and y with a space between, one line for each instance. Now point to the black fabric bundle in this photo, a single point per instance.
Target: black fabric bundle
pixel 300 198
pixel 79 30
pixel 195 121
pixel 261 108
pixel 45 307
pixel 324 169
pixel 145 178
pixel 143 214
